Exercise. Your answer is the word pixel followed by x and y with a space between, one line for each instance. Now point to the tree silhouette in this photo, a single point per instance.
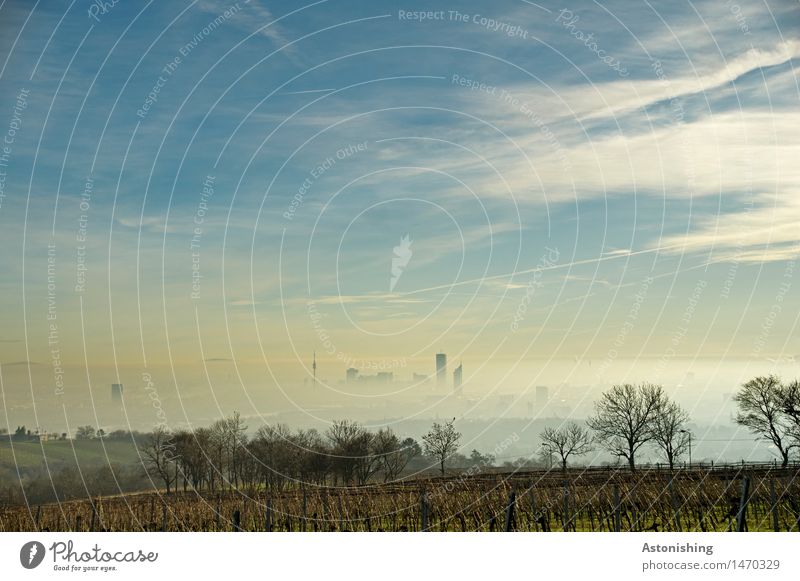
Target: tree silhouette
pixel 762 410
pixel 669 433
pixel 624 418
pixel 568 440
pixel 441 442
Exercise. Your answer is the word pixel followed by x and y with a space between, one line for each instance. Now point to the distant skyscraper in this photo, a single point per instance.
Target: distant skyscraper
pixel 441 369
pixel 314 367
pixel 457 380
pixel 542 395
pixel 116 392
pixel 352 374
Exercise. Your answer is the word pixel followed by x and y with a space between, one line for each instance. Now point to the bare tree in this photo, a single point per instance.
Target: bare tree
pixel 350 450
pixel 236 437
pixel 623 418
pixel 192 450
pixel 367 461
pixel 218 453
pixel 159 456
pixel 441 442
pixel 413 451
pixel 546 457
pixel 392 456
pixel 275 455
pixel 669 431
pixel 183 441
pixel 762 410
pixel 790 405
pixel 313 454
pixel 568 440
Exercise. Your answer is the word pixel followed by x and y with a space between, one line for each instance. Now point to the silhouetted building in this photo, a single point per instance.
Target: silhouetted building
pixel 457 380
pixel 380 377
pixel 542 395
pixel 116 392
pixel 441 369
pixel 352 374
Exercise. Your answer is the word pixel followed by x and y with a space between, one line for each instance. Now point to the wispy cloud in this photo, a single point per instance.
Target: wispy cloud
pixel 255 17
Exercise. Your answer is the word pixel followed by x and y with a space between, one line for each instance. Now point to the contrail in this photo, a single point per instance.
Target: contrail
pixel 308 91
pixel 537 269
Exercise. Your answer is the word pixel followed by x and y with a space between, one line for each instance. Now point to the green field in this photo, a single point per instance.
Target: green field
pixel 56 454
pixel 61 470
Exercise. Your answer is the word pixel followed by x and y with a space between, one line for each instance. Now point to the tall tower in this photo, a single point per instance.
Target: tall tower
pixel 542 395
pixel 441 369
pixel 457 380
pixel 314 367
pixel 116 392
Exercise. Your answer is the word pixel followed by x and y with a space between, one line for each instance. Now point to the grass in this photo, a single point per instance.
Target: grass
pixel 85 453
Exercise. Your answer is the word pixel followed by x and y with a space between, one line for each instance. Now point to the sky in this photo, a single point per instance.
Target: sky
pixel 213 192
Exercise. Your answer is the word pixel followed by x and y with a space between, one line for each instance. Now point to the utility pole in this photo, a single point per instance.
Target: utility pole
pixel 549 455
pixel 689 434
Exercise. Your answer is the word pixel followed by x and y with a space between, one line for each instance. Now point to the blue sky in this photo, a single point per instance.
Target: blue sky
pixel 497 154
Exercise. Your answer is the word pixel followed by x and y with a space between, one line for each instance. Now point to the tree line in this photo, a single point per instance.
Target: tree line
pixel 629 417
pixel 223 456
pixel 626 419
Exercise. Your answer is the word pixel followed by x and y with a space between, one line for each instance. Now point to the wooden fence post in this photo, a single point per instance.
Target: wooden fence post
pixel 773 501
pixel 237 521
pixel 512 498
pixel 565 516
pixel 305 511
pixel 268 516
pixel 617 515
pixel 673 500
pixel 424 509
pixel 741 517
pixel 164 517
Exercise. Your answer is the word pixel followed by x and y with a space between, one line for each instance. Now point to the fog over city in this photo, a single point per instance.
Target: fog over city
pixel 493 400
